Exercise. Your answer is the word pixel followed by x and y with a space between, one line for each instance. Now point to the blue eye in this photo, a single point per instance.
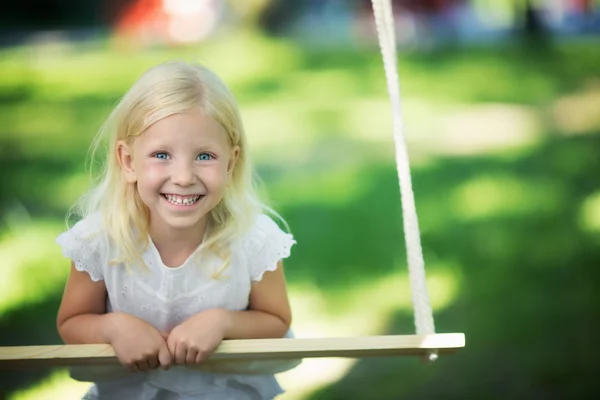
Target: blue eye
pixel 205 157
pixel 161 156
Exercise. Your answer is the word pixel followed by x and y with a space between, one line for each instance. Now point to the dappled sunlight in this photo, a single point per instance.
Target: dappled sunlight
pixel 579 112
pixel 262 57
pixel 506 74
pixel 312 375
pixel 589 213
pixel 489 196
pixel 434 130
pixel 373 300
pixel 60 71
pixel 15 79
pixel 278 127
pixel 32 264
pixel 368 119
pixel 57 386
pixel 443 284
pixel 324 86
pixel 484 129
pixel 360 310
pixel 309 107
pixel 289 129
pixel 81 73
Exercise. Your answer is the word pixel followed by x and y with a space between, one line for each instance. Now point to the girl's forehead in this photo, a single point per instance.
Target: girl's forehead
pixel 190 127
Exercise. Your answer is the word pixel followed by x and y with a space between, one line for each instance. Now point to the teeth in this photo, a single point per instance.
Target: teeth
pixel 178 200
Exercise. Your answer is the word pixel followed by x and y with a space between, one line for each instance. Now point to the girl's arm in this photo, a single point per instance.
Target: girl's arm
pixel 268 315
pixel 82 314
pixel 82 318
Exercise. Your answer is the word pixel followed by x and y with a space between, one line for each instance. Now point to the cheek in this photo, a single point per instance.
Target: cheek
pixel 216 177
pixel 151 175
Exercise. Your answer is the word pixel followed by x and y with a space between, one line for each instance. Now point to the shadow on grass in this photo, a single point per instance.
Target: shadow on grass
pixel 528 300
pixel 29 325
pixel 521 74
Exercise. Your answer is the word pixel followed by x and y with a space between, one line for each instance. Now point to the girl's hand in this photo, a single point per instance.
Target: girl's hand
pixel 137 344
pixel 195 339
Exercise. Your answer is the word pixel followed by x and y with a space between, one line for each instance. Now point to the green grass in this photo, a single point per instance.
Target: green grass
pixel 510 235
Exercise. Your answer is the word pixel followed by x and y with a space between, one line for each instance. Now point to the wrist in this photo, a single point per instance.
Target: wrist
pixel 111 323
pixel 224 319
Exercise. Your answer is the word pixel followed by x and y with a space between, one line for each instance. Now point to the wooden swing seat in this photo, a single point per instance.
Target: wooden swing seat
pixel 248 349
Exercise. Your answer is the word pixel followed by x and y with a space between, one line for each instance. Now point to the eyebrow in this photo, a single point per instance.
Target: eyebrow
pixel 157 146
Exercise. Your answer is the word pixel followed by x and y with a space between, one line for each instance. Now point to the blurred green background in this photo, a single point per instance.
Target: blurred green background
pixel 504 141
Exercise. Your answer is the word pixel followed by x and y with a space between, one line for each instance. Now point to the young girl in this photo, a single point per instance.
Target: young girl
pixel 174 251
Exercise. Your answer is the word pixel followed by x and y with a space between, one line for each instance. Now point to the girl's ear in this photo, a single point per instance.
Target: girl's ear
pixel 235 155
pixel 125 158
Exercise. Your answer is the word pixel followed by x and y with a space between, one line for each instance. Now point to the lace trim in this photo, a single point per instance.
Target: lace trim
pixel 84 249
pixel 276 248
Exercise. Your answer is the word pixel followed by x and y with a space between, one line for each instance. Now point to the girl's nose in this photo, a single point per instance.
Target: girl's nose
pixel 182 174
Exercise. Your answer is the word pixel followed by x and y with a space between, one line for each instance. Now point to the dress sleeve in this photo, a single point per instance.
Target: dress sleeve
pixel 86 245
pixel 267 245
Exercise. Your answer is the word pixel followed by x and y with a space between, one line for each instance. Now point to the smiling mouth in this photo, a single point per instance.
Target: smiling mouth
pixel 182 200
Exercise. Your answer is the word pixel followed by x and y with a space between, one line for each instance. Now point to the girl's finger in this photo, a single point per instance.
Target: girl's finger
pixel 165 358
pixel 199 357
pixel 153 362
pixel 180 353
pixel 191 356
pixel 142 365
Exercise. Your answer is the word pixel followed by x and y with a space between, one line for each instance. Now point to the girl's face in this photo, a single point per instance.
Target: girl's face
pixel 182 165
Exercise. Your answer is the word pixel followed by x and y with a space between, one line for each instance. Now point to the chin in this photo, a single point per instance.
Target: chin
pixel 184 223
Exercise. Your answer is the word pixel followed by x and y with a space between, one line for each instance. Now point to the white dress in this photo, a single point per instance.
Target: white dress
pixel 165 297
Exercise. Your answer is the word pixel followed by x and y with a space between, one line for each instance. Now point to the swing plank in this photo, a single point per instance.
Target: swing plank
pixel 248 349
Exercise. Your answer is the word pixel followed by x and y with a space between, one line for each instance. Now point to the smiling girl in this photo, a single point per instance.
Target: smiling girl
pixel 173 251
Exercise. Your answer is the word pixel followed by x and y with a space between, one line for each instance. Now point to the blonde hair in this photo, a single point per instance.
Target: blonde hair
pixel 167 89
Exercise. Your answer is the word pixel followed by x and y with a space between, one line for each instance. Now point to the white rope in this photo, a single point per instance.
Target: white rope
pixel 384 22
